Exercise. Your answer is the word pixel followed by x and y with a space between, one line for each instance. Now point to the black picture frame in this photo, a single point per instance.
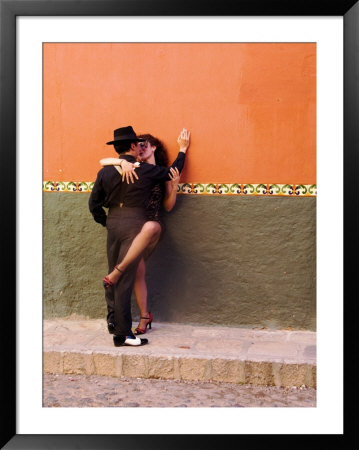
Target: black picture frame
pixel 9 10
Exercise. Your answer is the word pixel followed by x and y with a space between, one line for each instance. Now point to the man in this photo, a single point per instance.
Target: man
pixel 126 216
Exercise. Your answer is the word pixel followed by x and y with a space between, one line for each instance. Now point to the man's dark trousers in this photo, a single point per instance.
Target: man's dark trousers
pixel 123 224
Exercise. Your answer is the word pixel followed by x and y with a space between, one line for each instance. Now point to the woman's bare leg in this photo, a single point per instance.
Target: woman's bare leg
pixel 148 236
pixel 140 289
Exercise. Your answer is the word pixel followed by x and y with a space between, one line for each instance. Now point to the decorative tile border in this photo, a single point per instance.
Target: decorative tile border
pixel 249 189
pixel 294 190
pixel 67 186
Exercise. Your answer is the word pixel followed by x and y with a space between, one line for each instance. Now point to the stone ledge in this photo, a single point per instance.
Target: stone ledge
pixel 263 373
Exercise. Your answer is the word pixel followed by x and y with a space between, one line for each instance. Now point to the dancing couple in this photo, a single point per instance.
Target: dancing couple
pixel 134 187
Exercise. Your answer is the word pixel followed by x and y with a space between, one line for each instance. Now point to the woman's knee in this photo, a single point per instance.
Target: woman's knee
pixel 151 228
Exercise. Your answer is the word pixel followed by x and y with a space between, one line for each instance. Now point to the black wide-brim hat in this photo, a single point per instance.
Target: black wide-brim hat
pixel 124 134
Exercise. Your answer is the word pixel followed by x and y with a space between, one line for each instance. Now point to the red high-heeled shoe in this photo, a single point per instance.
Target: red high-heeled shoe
pixel 139 330
pixel 107 282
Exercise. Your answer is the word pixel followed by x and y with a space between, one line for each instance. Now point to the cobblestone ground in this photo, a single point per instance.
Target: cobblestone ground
pixel 99 391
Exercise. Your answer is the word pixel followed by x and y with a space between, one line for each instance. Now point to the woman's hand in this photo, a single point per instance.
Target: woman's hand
pixel 183 140
pixel 127 168
pixel 171 189
pixel 175 177
pixel 128 171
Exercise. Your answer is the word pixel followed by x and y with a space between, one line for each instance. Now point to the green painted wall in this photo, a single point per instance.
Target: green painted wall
pixel 236 261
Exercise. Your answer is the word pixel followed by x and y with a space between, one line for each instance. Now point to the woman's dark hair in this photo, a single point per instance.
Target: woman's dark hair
pixel 161 155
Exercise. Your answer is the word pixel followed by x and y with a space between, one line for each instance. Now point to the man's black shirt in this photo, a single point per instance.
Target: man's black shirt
pixel 109 190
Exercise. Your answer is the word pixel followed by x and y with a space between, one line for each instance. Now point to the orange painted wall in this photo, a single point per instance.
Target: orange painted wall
pixel 251 108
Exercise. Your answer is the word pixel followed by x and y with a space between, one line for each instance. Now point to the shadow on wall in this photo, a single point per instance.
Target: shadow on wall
pixel 182 273
pixel 239 262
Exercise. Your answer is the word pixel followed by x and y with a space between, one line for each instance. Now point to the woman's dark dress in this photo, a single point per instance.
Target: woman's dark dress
pixel 154 206
pixel 154 212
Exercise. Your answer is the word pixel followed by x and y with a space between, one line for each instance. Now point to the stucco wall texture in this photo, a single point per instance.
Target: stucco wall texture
pixel 239 260
pixel 251 108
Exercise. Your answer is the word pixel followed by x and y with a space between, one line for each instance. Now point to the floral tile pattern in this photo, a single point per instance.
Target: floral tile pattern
pixel 289 190
pixel 67 186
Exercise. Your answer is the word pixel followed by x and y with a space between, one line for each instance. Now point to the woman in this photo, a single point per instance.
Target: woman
pixel 162 195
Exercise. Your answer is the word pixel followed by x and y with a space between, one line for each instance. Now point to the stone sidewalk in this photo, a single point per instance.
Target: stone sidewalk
pixel 183 352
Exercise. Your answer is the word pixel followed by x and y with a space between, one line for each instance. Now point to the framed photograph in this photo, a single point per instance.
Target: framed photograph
pixel 24 27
